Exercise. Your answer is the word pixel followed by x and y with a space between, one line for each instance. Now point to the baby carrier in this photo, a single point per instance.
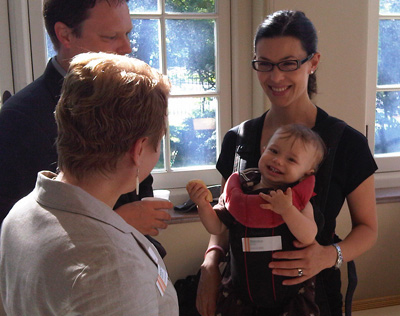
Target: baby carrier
pixel 246 144
pixel 255 233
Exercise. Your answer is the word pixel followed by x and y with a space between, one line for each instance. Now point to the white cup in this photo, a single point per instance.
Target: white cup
pixel 150 198
pixel 163 194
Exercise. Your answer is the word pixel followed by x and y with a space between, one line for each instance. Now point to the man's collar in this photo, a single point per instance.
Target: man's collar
pixel 58 66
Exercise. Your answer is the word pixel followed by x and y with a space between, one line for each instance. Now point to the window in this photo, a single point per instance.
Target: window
pixel 184 40
pixel 387 126
pixel 385 53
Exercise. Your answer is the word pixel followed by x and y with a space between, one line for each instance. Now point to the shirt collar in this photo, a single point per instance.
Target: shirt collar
pixel 70 198
pixel 58 66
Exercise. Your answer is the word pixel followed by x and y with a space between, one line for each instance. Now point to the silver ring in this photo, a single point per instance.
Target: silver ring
pixel 300 272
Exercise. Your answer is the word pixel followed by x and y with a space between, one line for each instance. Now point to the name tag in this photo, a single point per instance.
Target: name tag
pixel 258 244
pixel 162 280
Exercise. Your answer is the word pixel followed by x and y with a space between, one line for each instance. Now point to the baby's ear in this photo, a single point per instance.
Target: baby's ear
pixel 310 172
pixel 307 174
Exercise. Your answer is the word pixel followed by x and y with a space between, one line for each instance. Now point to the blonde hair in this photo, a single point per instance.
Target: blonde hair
pixel 107 103
pixel 307 136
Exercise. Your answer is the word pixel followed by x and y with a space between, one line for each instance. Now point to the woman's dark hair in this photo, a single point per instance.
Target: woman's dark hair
pixel 294 24
pixel 70 12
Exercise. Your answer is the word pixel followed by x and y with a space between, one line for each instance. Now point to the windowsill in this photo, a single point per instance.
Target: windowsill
pixel 179 196
pixel 387 195
pixel 383 196
pixel 179 218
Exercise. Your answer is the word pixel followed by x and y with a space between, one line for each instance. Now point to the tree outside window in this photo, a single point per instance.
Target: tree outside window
pixel 179 39
pixel 387 119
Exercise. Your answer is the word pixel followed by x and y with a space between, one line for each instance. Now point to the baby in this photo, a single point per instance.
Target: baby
pixel 265 209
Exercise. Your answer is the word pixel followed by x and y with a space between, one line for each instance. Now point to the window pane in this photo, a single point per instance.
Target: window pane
pixel 145 41
pixel 160 164
pixel 192 6
pixel 191 55
pixel 388 52
pixel 192 124
pixel 387 122
pixel 143 6
pixel 389 6
pixel 49 47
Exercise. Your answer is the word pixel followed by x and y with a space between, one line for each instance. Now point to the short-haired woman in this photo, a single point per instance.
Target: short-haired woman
pixel 64 251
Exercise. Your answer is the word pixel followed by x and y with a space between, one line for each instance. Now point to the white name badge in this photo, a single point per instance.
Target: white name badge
pixel 162 280
pixel 258 244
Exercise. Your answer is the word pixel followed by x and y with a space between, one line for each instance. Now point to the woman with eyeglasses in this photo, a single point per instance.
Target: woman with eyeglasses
pixel 286 58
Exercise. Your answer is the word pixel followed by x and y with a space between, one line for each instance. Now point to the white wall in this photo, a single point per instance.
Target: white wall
pixel 341 75
pixel 378 270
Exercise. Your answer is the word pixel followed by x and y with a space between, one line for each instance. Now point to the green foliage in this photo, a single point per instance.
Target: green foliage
pixel 388 52
pixel 387 122
pixel 144 41
pixel 198 6
pixel 387 119
pixel 191 44
pixel 190 56
pixel 190 147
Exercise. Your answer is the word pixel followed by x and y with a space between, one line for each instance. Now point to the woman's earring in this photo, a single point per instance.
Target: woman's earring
pixel 137 183
pixel 312 71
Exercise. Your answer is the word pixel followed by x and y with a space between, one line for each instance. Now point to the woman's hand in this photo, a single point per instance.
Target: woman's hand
pixel 210 280
pixel 314 258
pixel 311 260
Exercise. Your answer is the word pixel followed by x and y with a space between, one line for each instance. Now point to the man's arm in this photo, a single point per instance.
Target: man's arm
pixel 25 149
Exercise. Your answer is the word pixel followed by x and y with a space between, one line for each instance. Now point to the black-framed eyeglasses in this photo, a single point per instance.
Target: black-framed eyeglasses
pixel 286 65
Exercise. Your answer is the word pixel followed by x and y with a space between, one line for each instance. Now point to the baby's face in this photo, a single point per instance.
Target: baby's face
pixel 286 160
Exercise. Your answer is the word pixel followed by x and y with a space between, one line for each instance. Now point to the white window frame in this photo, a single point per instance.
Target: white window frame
pixel 388 174
pixel 178 177
pixel 38 37
pixel 20 43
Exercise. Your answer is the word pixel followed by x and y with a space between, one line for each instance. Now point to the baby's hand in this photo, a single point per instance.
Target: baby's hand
pixel 278 201
pixel 198 192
